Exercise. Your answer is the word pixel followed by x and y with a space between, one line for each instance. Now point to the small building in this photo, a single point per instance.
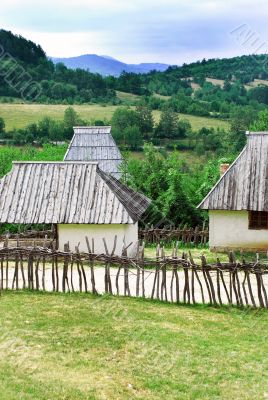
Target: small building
pixel 78 197
pixel 95 143
pixel 238 203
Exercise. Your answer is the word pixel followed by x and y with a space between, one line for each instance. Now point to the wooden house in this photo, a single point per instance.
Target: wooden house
pixel 238 203
pixel 95 143
pixel 78 197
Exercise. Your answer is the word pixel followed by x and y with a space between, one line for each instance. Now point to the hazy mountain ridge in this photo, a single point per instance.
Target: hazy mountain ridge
pixel 106 65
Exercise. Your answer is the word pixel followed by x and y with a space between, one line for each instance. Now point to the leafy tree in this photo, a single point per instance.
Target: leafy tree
pixel 70 120
pixel 162 180
pixel 183 128
pixel 133 137
pixel 123 117
pixel 168 124
pixel 2 125
pixel 260 94
pixel 261 124
pixel 241 119
pixel 145 119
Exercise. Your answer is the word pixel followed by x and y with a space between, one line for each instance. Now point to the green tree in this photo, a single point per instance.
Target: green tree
pixel 261 123
pixel 2 125
pixel 164 181
pixel 241 119
pixel 70 120
pixel 168 124
pixel 145 119
pixel 133 137
pixel 122 119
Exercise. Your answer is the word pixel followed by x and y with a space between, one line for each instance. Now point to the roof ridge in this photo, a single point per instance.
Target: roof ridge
pixel 126 196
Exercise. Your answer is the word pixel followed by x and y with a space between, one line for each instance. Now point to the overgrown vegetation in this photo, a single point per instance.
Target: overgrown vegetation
pixel 175 187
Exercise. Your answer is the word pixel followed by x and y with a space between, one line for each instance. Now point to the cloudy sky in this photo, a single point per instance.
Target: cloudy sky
pixel 171 31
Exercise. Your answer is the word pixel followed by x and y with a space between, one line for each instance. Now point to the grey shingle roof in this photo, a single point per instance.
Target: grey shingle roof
pixel 95 143
pixel 245 184
pixel 66 192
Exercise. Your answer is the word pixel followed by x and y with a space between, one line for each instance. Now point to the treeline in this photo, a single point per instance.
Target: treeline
pixel 133 127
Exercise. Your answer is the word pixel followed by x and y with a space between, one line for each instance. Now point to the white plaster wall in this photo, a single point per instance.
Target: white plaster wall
pixel 229 230
pixel 75 233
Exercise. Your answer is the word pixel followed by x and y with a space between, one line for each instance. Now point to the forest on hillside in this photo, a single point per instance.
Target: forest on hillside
pixel 184 89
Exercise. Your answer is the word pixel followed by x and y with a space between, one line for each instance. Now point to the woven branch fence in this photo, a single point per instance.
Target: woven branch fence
pixel 175 278
pixel 186 235
pixel 29 234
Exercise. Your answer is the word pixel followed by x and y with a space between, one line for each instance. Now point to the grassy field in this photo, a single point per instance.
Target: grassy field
pixel 76 347
pixel 19 115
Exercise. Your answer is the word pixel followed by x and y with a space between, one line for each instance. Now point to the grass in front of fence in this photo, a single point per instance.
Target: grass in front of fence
pixel 56 346
pixel 197 252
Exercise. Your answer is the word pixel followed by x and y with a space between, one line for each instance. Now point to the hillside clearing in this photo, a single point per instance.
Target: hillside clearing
pixel 161 96
pixel 127 97
pixel 258 82
pixel 19 115
pixel 219 82
pixel 84 347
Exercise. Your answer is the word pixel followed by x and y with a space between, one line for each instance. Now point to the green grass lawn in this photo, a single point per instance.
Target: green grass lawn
pixel 56 346
pixel 19 115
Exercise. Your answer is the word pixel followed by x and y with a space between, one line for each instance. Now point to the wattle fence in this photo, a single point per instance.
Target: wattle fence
pixel 193 236
pixel 186 235
pixel 176 278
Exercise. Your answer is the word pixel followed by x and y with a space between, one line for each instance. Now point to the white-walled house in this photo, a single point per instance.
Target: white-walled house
pixel 238 203
pixel 77 197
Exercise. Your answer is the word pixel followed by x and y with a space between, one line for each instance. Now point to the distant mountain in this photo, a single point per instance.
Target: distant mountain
pixel 106 65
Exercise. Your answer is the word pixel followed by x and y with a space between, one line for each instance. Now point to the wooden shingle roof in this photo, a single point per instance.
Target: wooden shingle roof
pixel 95 143
pixel 66 193
pixel 244 186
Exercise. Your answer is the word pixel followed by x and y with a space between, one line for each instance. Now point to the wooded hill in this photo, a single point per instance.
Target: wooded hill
pixel 188 89
pixel 58 82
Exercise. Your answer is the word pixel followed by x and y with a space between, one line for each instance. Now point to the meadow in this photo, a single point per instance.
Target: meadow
pixel 78 346
pixel 20 115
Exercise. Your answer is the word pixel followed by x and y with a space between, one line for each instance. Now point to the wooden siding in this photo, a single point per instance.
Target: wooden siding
pixel 245 184
pixel 95 144
pixel 64 192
